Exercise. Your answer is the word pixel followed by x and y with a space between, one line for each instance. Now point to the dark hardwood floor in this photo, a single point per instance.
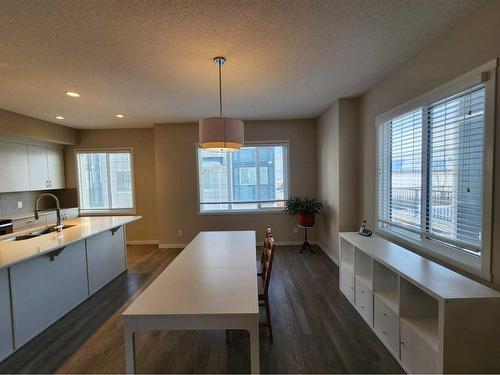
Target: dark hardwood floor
pixel 315 329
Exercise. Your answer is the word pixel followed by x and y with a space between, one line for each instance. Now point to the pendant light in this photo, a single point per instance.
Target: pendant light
pixel 221 133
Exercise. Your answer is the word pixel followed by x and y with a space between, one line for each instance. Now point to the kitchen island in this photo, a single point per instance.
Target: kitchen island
pixel 44 277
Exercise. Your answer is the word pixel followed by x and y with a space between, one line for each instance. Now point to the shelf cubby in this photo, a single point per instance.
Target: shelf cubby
pixel 346 254
pixel 421 311
pixel 363 267
pixel 386 286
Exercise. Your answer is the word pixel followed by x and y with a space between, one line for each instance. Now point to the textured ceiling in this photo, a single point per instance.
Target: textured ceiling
pixel 152 60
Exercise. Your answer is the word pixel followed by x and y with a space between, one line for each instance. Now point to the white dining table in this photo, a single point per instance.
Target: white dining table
pixel 211 284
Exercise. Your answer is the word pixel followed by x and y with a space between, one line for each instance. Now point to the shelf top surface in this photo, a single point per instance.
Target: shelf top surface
pixel 13 252
pixel 435 279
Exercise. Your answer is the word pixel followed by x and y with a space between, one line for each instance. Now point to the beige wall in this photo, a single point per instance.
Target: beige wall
pixel 338 172
pixel 24 126
pixel 328 177
pixel 473 42
pixel 177 180
pixel 142 142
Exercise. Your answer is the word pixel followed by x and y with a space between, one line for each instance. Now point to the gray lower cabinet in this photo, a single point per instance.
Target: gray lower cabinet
pixel 43 290
pixel 105 257
pixel 6 343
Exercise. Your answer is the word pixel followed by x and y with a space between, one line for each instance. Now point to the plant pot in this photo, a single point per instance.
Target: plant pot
pixel 306 219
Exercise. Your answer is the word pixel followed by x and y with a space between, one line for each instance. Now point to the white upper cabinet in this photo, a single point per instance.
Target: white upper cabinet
pixel 38 168
pixel 55 163
pixel 14 167
pixel 27 167
pixel 46 168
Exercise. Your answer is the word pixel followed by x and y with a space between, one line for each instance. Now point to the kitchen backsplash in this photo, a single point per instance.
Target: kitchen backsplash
pixel 9 201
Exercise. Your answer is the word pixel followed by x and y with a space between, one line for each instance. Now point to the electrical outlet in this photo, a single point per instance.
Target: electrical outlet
pixel 295 230
pixel 19 204
pixel 180 233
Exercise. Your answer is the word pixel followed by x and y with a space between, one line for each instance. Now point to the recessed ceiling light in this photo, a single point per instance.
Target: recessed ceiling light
pixel 59 117
pixel 119 115
pixel 73 94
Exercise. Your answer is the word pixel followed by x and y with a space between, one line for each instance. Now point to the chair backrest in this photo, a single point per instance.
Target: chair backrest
pixel 267 234
pixel 267 263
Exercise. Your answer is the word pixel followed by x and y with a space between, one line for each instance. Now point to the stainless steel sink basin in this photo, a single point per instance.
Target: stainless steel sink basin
pixel 37 233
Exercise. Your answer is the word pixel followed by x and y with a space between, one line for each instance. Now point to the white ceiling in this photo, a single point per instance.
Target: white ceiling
pixel 152 60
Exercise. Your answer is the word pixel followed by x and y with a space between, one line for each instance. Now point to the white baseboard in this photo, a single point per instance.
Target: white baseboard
pixel 172 245
pixel 143 242
pixel 329 253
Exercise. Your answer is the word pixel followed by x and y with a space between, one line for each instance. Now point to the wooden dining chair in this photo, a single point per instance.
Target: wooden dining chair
pixel 263 284
pixel 265 281
pixel 260 261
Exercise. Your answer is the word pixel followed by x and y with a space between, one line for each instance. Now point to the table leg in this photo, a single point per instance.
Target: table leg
pixel 254 349
pixel 129 350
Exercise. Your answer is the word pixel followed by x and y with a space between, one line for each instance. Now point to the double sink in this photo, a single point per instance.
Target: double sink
pixel 37 233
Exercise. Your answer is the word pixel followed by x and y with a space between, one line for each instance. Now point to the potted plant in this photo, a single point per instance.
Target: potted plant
pixel 306 208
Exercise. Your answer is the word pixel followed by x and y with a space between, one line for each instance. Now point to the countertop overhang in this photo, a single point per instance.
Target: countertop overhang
pixel 12 252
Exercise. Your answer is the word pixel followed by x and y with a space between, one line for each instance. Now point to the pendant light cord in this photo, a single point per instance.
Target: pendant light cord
pixel 220 88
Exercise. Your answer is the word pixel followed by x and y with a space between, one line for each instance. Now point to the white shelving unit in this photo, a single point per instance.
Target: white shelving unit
pixel 431 318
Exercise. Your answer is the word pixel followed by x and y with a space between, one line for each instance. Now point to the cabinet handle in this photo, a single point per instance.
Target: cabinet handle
pixel 384 314
pixel 362 307
pixel 384 332
pixel 363 291
pixel 29 221
pixel 352 287
pixel 402 343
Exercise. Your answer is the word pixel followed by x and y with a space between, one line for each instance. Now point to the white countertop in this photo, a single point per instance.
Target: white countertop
pixel 437 280
pixel 12 252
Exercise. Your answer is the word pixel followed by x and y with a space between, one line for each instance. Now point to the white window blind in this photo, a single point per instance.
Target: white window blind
pixel 254 178
pixel 430 171
pixel 105 181
pixel 400 169
pixel 455 128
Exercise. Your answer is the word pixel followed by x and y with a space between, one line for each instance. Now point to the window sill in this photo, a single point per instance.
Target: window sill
pixel 245 212
pixel 460 260
pixel 107 212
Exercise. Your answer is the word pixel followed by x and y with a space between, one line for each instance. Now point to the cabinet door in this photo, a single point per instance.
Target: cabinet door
pixel 417 355
pixel 29 222
pixel 386 325
pixel 44 290
pixel 51 218
pixel 105 258
pixel 6 343
pixel 347 282
pixel 38 171
pixel 13 167
pixel 364 301
pixel 71 213
pixel 55 162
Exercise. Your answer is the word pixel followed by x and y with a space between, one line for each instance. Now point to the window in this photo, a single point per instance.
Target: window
pixel 252 179
pixel 432 182
pixel 105 180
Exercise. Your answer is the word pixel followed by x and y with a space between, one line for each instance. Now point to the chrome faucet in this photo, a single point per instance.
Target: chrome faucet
pixel 59 225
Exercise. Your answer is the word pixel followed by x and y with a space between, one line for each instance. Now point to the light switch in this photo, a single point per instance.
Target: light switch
pixel 19 204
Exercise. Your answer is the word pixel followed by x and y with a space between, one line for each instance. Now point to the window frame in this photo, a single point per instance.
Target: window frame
pixel 106 212
pixel 257 211
pixel 479 265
